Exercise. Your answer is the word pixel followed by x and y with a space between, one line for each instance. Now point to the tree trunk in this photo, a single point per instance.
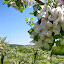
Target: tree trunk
pixel 13 63
pixel 2 59
pixel 36 53
pixel 19 62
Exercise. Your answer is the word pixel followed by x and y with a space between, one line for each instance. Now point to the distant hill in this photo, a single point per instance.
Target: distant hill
pixel 20 46
pixel 15 45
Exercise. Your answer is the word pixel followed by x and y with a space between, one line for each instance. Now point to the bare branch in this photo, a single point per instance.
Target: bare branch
pixel 40 2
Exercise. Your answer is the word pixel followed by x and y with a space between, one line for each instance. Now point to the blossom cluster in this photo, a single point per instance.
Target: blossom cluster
pixel 1 47
pixel 24 2
pixel 51 20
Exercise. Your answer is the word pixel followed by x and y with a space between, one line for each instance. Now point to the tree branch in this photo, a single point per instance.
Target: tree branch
pixel 40 2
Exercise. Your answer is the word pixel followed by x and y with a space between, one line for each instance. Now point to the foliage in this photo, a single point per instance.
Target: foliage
pixel 29 21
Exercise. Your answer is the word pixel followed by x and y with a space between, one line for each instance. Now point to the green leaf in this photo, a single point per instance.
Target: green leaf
pixel 21 10
pixel 31 30
pixel 26 19
pixel 50 45
pixel 55 5
pixel 36 37
pixel 12 0
pixel 30 21
pixel 58 36
pixel 58 43
pixel 26 22
pixel 35 13
pixel 31 13
pixel 31 18
pixel 56 50
pixel 4 2
pixel 8 4
pixel 49 3
pixel 46 3
pixel 39 8
pixel 32 24
pixel 62 31
pixel 49 12
pixel 35 5
pixel 25 6
pixel 18 3
pixel 62 51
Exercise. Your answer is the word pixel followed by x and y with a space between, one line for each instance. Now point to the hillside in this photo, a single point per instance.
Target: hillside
pixel 15 45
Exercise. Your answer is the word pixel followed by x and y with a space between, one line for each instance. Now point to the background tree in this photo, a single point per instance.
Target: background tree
pixel 4 48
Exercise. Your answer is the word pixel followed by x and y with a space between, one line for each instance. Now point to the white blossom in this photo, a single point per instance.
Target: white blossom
pixel 52 19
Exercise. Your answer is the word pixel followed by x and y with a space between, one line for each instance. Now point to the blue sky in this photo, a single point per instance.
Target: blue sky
pixel 13 26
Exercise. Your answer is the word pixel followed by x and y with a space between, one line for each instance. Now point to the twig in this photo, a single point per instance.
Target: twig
pixel 40 2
